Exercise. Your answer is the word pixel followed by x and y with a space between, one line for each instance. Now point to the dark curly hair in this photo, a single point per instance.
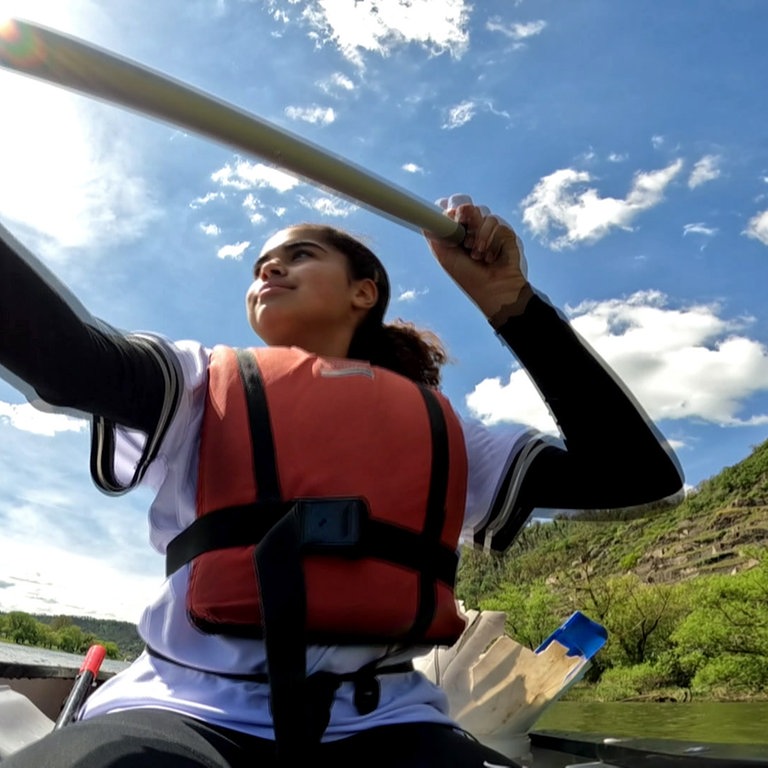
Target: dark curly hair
pixel 398 346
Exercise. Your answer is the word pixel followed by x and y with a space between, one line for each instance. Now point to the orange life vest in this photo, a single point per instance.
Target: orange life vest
pixel 340 444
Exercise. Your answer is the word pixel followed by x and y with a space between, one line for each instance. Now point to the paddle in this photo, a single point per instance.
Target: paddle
pixel 82 687
pixel 66 61
pixel 498 688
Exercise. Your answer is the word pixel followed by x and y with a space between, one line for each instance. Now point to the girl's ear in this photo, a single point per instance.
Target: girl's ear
pixel 365 293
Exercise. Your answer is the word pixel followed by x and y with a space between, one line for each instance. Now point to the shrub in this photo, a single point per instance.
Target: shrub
pixel 626 682
pixel 732 674
pixel 628 562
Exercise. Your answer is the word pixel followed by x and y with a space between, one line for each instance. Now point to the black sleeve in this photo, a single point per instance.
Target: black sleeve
pixel 50 344
pixel 614 457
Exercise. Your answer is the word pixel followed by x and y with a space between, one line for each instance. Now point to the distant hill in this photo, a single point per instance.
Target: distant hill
pixel 711 531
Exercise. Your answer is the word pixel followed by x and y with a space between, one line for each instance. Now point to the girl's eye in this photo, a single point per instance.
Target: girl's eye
pixel 298 255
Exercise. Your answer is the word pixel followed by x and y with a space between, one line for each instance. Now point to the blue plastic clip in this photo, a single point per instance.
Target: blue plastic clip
pixel 580 635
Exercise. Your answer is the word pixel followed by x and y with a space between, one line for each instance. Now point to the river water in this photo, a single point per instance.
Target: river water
pixel 726 723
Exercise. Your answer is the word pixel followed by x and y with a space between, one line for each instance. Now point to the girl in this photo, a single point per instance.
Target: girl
pixel 334 452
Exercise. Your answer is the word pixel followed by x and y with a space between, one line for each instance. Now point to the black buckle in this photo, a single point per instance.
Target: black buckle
pixel 331 526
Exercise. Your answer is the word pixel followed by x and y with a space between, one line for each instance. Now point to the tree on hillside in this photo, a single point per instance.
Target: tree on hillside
pixel 72 639
pixel 533 611
pixel 479 574
pixel 59 622
pixel 21 628
pixel 639 617
pixel 731 614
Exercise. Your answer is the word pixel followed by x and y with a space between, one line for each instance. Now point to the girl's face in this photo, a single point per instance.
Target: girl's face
pixel 302 294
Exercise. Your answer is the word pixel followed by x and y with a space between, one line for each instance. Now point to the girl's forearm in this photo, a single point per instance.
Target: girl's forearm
pixel 68 361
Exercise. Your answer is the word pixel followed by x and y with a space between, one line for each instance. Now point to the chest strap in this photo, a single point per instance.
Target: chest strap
pixel 341 527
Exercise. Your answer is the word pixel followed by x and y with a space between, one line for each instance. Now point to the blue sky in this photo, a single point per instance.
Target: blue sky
pixel 625 142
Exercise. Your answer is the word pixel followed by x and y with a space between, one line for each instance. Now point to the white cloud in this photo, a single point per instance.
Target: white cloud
pixel 758 227
pixel 27 418
pixel 48 579
pixel 705 170
pixel 680 363
pixel 412 168
pixel 66 547
pixel 617 157
pixel 255 208
pixel 313 114
pixel 411 294
pixel 379 27
pixel 279 15
pixel 583 214
pixel 199 202
pixel 210 229
pixel 337 82
pixel 699 228
pixel 245 175
pixel 518 31
pixel 328 206
pixel 234 251
pixel 460 114
pixel 657 141
pixel 55 534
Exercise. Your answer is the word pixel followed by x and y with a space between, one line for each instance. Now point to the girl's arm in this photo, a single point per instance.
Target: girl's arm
pixel 61 353
pixel 613 457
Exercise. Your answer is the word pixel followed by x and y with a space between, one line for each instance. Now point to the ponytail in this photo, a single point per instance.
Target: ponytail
pixel 402 348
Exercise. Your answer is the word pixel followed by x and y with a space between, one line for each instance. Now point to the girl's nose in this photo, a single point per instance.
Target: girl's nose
pixel 271 267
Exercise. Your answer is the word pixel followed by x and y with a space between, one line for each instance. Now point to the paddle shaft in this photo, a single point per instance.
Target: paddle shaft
pixel 79 66
pixel 82 687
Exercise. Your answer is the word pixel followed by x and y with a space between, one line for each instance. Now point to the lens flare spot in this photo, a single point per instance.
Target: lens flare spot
pixel 21 46
pixel 9 30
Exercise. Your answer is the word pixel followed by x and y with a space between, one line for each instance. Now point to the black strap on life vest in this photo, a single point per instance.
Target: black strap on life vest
pixel 354 534
pixel 435 515
pixel 264 466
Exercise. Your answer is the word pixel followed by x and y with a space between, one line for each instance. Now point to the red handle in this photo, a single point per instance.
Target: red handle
pixel 93 659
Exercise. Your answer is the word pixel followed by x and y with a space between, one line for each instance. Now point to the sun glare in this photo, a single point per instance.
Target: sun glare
pixel 8 29
pixel 52 175
pixel 20 46
pixel 52 13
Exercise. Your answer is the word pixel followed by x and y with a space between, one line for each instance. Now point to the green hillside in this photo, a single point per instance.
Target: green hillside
pixel 683 592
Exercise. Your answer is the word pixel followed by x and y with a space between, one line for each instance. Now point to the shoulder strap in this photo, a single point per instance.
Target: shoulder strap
pixel 435 514
pixel 264 466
